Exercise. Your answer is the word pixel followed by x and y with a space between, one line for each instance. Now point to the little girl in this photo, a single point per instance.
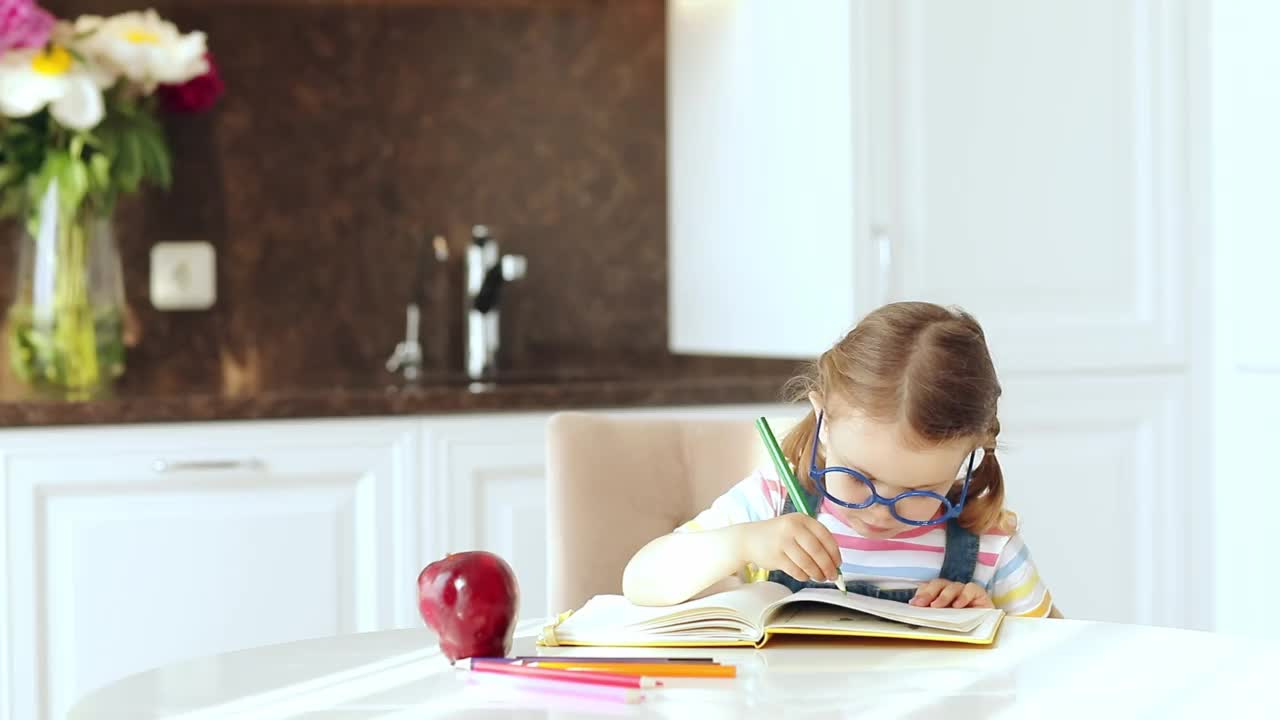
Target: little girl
pixel 899 455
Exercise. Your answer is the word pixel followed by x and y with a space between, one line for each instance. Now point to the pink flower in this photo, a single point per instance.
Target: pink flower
pixel 23 24
pixel 195 95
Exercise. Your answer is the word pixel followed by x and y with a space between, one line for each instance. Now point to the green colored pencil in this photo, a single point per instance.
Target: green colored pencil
pixel 789 480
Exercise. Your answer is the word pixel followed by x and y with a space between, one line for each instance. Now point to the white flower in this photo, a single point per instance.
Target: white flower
pixel 143 47
pixel 68 36
pixel 33 79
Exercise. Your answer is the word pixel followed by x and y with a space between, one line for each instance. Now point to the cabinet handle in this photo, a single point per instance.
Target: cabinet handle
pixel 168 466
pixel 884 246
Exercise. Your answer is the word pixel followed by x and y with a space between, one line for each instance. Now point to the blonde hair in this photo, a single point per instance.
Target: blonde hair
pixel 927 367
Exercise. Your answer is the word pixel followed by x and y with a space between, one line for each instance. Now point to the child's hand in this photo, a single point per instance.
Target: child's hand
pixel 794 543
pixel 945 593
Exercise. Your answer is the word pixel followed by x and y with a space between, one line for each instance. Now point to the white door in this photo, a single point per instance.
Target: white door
pixel 484 487
pixel 134 548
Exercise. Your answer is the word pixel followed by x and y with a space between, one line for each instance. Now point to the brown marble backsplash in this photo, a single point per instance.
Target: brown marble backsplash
pixel 352 129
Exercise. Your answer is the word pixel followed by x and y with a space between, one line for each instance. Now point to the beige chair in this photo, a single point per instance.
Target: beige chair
pixel 615 483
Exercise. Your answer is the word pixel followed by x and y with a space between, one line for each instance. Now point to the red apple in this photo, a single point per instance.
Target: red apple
pixel 470 600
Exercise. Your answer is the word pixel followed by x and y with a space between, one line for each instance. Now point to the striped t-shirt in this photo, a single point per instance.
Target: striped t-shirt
pixel 906 560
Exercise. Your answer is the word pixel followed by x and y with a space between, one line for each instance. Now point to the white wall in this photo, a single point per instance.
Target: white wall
pixel 1244 222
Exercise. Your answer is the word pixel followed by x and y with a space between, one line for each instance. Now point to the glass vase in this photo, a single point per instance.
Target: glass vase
pixel 65 328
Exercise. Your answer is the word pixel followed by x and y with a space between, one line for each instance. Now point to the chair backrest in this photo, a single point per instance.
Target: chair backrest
pixel 615 483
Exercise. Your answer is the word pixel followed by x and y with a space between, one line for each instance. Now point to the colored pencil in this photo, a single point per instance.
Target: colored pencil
pixel 578 676
pixel 557 688
pixel 788 479
pixel 614 660
pixel 652 670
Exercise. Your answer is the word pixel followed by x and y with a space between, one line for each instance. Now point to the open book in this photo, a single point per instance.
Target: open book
pixel 752 613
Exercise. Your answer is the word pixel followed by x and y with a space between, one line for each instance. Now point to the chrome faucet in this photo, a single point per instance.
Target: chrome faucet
pixel 407 357
pixel 487 271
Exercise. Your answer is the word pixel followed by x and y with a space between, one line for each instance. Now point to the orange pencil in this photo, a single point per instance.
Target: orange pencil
pixel 667 669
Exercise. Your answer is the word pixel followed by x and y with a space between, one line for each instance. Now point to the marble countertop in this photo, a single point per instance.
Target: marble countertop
pixel 432 394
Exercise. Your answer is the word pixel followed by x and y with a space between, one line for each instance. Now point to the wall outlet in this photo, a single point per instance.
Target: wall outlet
pixel 182 276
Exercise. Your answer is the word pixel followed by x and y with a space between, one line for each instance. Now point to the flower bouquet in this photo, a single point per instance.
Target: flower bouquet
pixel 80 123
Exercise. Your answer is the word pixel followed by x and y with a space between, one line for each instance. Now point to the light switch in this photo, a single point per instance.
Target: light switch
pixel 182 276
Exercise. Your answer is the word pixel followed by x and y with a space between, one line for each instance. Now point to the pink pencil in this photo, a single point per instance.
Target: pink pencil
pixel 586 677
pixel 557 688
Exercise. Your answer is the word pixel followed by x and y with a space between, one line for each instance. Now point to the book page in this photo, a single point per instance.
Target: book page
pixel 726 614
pixel 952 619
pixel 832 620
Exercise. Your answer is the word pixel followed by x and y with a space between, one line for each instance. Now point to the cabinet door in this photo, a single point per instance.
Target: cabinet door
pixel 485 490
pixel 762 178
pixel 133 548
pixel 1038 173
pixel 1093 466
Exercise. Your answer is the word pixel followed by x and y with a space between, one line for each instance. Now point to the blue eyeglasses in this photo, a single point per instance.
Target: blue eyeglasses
pixel 949 510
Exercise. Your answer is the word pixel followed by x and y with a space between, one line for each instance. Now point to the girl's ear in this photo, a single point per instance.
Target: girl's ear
pixel 978 454
pixel 815 400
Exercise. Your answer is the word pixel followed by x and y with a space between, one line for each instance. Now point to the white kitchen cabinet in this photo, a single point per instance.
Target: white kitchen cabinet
pixel 128 548
pixel 1094 471
pixel 1038 174
pixel 760 176
pixel 1025 160
pixel 484 480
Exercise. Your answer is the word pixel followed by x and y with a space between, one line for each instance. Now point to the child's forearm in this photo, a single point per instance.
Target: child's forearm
pixel 675 567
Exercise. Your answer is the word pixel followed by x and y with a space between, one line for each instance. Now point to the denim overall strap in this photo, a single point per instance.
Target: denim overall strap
pixel 958 564
pixel 961 557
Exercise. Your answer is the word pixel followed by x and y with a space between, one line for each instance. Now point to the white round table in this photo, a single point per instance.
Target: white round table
pixel 1037 669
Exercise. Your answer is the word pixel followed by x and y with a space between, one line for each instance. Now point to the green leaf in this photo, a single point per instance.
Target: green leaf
pixel 9 172
pixel 127 149
pixel 100 170
pixel 16 129
pixel 155 156
pixel 75 176
pixel 129 163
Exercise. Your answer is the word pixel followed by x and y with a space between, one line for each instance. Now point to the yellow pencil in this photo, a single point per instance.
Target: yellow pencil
pixel 667 669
